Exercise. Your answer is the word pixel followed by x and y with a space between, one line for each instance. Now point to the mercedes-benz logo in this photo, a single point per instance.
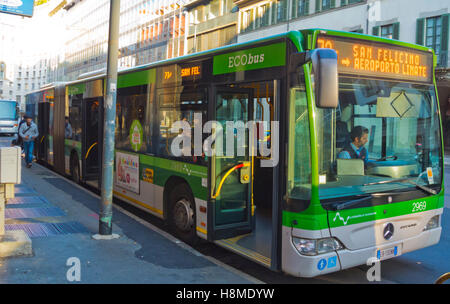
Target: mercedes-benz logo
pixel 388 231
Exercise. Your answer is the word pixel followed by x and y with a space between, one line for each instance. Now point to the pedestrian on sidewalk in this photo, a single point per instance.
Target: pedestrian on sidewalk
pixel 28 132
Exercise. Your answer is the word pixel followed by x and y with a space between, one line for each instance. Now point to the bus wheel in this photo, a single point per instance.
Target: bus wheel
pixel 182 214
pixel 75 169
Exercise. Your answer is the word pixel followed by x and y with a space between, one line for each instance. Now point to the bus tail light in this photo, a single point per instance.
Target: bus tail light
pixel 316 247
pixel 432 223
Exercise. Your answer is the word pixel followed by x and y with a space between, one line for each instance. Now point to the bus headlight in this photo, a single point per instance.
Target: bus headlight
pixel 316 247
pixel 432 223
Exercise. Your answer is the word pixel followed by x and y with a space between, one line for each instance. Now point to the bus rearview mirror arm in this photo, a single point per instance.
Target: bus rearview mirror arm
pixel 324 68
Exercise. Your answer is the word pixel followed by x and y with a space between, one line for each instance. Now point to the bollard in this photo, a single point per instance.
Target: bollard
pixel 12 243
pixel 6 192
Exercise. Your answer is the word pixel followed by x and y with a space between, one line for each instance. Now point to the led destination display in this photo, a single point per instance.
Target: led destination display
pixel 375 59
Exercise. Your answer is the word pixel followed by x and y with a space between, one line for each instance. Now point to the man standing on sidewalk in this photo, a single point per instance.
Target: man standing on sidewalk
pixel 28 132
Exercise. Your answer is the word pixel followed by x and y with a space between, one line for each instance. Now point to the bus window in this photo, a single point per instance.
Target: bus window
pixel 180 106
pixel 299 162
pixel 403 138
pixel 131 110
pixel 75 116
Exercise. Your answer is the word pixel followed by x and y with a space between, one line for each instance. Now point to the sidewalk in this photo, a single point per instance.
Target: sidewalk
pixel 60 218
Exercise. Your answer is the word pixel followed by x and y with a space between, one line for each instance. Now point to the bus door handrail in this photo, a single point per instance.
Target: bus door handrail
pixel 89 151
pixel 225 177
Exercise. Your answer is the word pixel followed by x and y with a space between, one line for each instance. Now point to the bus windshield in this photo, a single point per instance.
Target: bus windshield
pixel 399 145
pixel 8 110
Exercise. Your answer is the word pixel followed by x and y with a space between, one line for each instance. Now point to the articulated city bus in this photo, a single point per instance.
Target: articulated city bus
pixel 302 208
pixel 9 117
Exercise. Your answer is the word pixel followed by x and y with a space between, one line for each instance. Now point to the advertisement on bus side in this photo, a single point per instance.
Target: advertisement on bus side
pixel 127 171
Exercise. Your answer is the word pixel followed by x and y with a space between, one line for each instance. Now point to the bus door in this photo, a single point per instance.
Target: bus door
pixel 43 127
pixel 92 138
pixel 230 210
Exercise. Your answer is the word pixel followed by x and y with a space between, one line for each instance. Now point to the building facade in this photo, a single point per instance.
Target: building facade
pixel 211 24
pixel 150 30
pixel 7 40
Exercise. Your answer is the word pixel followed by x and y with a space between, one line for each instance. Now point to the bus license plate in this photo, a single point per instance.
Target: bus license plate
pixel 387 253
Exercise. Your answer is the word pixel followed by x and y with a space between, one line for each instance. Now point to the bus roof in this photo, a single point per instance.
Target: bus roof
pixel 300 41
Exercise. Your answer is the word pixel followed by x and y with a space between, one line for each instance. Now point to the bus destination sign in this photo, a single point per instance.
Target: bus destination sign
pixel 374 59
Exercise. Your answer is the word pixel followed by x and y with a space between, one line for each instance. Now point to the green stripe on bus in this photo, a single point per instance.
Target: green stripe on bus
pixel 163 169
pixel 347 217
pixel 251 59
pixel 136 78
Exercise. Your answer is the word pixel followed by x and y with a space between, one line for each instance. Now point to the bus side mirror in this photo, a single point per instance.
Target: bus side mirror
pixel 324 65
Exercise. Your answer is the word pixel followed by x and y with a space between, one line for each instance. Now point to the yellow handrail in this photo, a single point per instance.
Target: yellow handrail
pixel 225 177
pixel 443 278
pixel 87 154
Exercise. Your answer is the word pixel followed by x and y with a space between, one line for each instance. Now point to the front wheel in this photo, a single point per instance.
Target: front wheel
pixel 182 220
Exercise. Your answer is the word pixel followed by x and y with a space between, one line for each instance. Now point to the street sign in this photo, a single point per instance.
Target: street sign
pixel 17 7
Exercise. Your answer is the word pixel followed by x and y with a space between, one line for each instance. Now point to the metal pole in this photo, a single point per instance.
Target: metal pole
pixel 105 220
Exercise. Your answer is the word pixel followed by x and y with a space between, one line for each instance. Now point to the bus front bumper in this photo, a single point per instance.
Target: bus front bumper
pixel 300 265
pixel 352 258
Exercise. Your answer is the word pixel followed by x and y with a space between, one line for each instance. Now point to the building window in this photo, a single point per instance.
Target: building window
pixel 2 70
pixel 326 4
pixel 247 20
pixel 322 5
pixel 282 9
pixel 433 29
pixel 390 31
pixel 300 8
pixel 264 14
pixel 387 31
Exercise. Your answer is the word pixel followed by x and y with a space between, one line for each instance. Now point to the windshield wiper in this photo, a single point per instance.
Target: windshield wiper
pixel 409 180
pixel 424 188
pixel 389 181
pixel 341 206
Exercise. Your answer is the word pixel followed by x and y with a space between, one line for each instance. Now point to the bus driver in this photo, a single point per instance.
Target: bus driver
pixel 354 150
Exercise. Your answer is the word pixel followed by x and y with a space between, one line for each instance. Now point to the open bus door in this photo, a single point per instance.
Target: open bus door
pixel 231 209
pixel 92 138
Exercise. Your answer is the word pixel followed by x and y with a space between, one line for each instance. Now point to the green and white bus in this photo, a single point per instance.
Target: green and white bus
pixel 311 212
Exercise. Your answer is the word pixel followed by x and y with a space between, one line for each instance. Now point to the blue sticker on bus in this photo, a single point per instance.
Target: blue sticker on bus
pixel 332 262
pixel 322 264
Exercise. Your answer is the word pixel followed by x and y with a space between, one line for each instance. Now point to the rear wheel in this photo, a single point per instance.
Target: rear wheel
pixel 75 169
pixel 182 214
